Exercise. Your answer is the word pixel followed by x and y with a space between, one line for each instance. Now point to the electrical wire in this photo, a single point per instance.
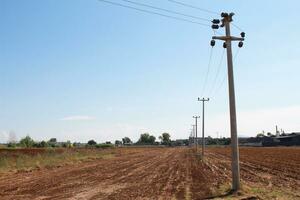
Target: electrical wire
pixel 236 26
pixel 218 72
pixel 195 7
pixel 166 10
pixel 207 72
pixel 224 78
pixel 154 13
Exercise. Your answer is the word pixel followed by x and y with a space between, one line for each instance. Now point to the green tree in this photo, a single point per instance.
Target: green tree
pixel 145 138
pixel 118 142
pixel 53 140
pixel 165 138
pixel 151 139
pixel 44 144
pixel 126 140
pixel 211 141
pixel 92 142
pixel 26 142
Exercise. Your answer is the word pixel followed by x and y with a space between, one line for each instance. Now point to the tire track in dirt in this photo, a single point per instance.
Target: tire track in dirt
pixel 144 173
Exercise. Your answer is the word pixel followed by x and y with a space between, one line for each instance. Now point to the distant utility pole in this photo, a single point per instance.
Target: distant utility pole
pixel 226 20
pixel 191 137
pixel 277 132
pixel 196 125
pixel 203 138
pixel 193 125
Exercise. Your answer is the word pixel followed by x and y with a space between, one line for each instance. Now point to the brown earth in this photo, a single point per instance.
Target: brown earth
pixel 273 171
pixel 157 173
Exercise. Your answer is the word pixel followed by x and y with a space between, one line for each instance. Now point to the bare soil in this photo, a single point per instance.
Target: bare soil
pixel 156 173
pixel 272 171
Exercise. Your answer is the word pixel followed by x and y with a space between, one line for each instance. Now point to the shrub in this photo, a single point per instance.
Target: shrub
pixel 12 145
pixel 27 142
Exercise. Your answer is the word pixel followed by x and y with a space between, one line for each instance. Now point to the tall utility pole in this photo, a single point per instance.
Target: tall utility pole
pixel 203 138
pixel 196 125
pixel 226 20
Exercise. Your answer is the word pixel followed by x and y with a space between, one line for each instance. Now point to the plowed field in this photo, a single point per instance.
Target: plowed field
pixel 159 173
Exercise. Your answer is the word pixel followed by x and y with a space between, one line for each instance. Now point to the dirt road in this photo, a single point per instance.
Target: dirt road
pixel 169 173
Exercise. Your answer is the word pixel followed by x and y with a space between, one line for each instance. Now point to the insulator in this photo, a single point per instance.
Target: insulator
pixel 224 14
pixel 215 26
pixel 243 34
pixel 224 45
pixel 212 43
pixel 215 21
pixel 241 44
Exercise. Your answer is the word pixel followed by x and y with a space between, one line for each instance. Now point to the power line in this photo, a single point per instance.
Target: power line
pixel 166 10
pixel 236 26
pixel 207 72
pixel 154 13
pixel 224 77
pixel 195 7
pixel 218 72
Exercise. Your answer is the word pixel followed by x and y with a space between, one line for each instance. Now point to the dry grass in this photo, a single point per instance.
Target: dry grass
pixel 13 160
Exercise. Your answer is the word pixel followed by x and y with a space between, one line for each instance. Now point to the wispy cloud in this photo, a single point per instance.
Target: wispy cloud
pixel 78 118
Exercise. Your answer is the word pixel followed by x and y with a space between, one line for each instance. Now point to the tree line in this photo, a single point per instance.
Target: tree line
pixel 145 139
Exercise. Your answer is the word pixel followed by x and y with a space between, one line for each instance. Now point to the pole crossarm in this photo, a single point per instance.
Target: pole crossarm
pixel 203 99
pixel 228 38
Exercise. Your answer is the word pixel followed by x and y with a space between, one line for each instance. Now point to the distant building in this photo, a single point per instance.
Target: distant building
pixel 194 140
pixel 180 142
pixel 291 139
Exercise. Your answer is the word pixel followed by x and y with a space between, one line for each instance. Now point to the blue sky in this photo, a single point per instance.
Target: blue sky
pixel 78 69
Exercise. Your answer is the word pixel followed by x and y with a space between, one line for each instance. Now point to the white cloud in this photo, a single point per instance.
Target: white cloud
pixel 77 118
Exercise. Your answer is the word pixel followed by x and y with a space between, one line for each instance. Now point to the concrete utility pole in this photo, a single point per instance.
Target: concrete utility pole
pixel 203 138
pixel 193 125
pixel 226 20
pixel 196 125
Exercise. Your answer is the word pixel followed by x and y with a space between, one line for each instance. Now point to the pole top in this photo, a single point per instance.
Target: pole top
pixel 226 18
pixel 225 14
pixel 203 99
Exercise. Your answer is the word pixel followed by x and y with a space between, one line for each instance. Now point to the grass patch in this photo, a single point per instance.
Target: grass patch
pixel 272 193
pixel 12 161
pixel 248 192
